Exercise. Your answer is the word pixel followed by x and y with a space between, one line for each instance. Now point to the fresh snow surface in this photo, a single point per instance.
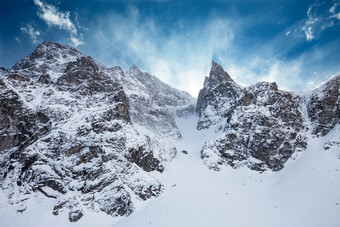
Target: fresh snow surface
pixel 306 192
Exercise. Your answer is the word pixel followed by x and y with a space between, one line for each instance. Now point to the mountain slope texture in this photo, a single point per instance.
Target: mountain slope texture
pixel 93 139
pixel 262 126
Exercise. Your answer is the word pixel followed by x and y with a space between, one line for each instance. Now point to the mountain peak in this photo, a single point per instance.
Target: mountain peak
pixel 50 49
pixel 218 72
pixel 49 55
pixel 134 70
pixel 215 64
pixel 50 43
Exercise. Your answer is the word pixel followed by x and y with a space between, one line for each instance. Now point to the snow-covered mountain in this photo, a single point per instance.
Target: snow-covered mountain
pixel 84 134
pixel 261 126
pixel 82 142
pixel 153 104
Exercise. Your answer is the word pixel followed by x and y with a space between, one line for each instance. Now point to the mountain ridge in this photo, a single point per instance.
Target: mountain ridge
pixel 96 138
pixel 261 121
pixel 67 133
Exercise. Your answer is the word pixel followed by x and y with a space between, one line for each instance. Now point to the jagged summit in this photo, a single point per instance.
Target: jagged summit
pixel 48 51
pixel 152 100
pixel 262 126
pixel 87 136
pixel 217 73
pixel 324 106
pixel 134 70
pixel 217 87
pixel 70 131
pixel 48 59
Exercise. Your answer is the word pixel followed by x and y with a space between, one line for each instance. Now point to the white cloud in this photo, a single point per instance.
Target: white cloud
pixel 333 11
pixel 311 20
pixel 53 17
pixel 336 16
pixel 318 18
pixel 180 58
pixel 286 74
pixel 33 34
pixel 287 33
pixel 308 32
pixel 77 41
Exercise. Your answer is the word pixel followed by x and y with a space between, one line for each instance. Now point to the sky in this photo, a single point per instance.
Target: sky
pixel 294 43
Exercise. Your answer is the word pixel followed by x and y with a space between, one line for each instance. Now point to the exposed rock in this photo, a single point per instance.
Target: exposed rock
pixel 154 104
pixel 218 97
pixel 144 159
pixel 324 107
pixel 261 125
pixel 75 215
pixel 19 125
pixel 45 79
pixel 66 133
pixel 88 136
pixel 48 58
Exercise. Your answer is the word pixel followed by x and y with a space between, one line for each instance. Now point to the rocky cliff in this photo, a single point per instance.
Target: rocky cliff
pixel 93 138
pixel 261 126
pixel 73 130
pixel 154 104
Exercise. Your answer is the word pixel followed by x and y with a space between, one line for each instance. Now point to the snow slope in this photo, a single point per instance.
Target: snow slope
pixel 93 143
pixel 305 193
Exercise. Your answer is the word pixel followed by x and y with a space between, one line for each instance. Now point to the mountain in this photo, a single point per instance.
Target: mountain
pixel 80 142
pixel 71 131
pixel 261 126
pixel 154 104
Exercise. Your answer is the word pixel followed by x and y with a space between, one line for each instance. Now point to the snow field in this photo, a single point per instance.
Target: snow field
pixel 305 193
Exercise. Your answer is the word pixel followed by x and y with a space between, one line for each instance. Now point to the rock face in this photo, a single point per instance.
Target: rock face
pixel 70 131
pixel 261 126
pixel 218 96
pixel 324 107
pixel 89 136
pixel 154 104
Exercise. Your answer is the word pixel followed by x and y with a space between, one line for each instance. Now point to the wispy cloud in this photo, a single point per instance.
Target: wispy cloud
pixel 33 33
pixel 320 16
pixel 335 11
pixel 177 56
pixel 181 54
pixel 308 31
pixel 77 41
pixel 53 17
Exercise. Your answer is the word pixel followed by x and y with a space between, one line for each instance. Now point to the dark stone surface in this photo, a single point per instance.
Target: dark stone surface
pixel 324 107
pixel 262 122
pixel 82 162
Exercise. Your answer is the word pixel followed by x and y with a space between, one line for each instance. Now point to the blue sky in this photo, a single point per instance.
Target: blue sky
pixel 295 43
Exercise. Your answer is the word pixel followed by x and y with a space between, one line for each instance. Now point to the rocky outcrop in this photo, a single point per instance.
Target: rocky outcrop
pixel 154 104
pixel 324 107
pixel 67 134
pixel 89 137
pixel 217 98
pixel 19 125
pixel 261 126
pixel 47 59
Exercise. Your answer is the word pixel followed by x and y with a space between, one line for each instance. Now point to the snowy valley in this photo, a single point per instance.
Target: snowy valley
pixel 86 145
